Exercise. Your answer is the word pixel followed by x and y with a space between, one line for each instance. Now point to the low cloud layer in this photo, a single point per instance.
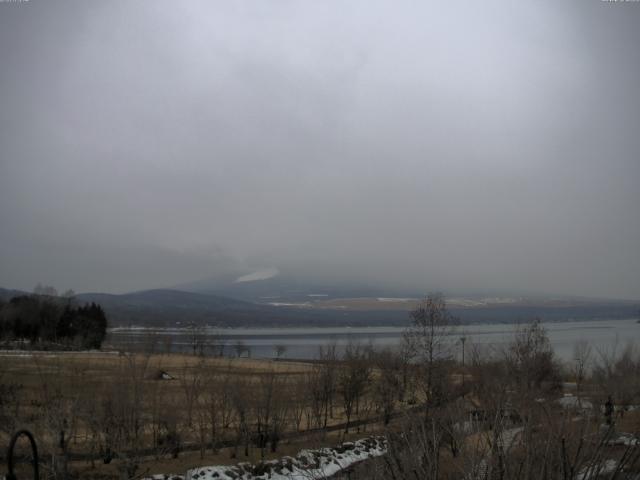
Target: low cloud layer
pixel 458 146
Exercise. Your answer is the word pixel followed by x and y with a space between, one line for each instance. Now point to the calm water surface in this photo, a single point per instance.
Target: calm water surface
pixel 304 343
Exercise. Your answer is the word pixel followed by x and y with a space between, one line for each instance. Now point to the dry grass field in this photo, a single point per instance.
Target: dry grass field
pixel 172 412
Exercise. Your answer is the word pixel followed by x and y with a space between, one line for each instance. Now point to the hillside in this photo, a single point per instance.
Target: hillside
pixel 168 307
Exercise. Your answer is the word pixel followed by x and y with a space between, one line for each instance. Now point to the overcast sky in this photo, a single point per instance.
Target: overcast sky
pixel 458 146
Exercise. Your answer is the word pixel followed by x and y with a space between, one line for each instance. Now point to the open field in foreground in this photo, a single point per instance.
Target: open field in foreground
pixel 502 414
pixel 171 412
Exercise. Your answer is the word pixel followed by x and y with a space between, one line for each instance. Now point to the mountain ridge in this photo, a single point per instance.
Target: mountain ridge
pixel 172 307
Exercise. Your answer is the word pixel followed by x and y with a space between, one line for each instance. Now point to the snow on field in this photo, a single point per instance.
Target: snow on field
pixel 509 436
pixel 573 402
pixel 464 302
pixel 286 304
pixel 624 439
pixel 595 471
pixel 394 299
pixel 481 302
pixel 307 464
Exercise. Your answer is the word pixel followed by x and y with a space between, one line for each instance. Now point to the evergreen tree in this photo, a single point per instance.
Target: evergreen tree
pixel 37 318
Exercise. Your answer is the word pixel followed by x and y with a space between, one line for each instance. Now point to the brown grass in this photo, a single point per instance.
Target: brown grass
pixel 86 375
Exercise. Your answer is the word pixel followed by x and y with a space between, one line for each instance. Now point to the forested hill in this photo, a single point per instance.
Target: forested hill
pixel 166 307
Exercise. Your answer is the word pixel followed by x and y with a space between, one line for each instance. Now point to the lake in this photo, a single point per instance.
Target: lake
pixel 303 343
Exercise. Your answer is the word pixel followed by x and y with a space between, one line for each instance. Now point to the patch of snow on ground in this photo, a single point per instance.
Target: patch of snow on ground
pixel 499 300
pixel 285 304
pixel 595 471
pixel 509 436
pixel 625 439
pixel 307 464
pixel 571 401
pixel 464 302
pixel 467 427
pixel 394 299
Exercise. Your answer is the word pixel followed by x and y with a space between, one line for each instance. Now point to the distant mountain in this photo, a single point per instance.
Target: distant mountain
pixel 6 294
pixel 168 307
pixel 171 307
pixel 280 304
pixel 279 288
pixel 165 298
pixel 174 307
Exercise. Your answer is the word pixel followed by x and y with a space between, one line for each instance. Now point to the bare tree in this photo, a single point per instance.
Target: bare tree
pixel 279 417
pixel 158 415
pixel 191 380
pixel 327 379
pixel 263 408
pixel 197 338
pixel 430 342
pixel 300 396
pixel 316 394
pixel 47 290
pixel 270 410
pixel 150 342
pixel 68 294
pixel 217 342
pixel 581 363
pixel 279 350
pixel 241 400
pixel 58 403
pixel 167 344
pixel 531 360
pixel 240 348
pixel 485 441
pixel 122 414
pixel 11 399
pixel 617 374
pixel 218 398
pixel 389 368
pixel 353 377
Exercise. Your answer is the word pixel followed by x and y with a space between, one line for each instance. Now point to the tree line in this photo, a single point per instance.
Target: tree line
pixel 48 321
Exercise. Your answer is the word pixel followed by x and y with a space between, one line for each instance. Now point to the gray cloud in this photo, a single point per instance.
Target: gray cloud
pixel 461 146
